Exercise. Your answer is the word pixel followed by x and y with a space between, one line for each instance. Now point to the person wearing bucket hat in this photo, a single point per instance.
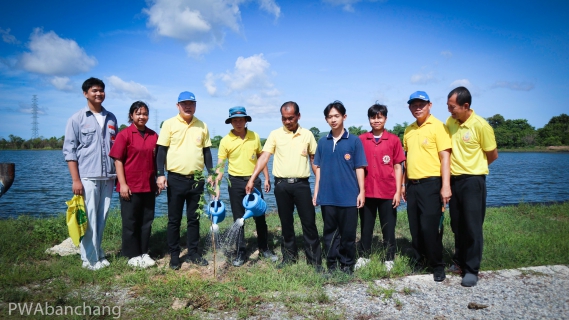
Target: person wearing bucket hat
pixel 293 148
pixel 241 147
pixel 473 150
pixel 428 145
pixel 184 148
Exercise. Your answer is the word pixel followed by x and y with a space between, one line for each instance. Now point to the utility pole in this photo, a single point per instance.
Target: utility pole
pixel 34 116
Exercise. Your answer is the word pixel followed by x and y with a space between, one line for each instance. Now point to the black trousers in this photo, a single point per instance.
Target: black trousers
pixel 137 217
pixel 297 194
pixel 467 212
pixel 236 194
pixel 339 235
pixel 387 220
pixel 424 212
pixel 183 191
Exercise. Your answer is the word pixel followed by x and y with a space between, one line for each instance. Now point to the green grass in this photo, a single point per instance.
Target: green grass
pixel 515 236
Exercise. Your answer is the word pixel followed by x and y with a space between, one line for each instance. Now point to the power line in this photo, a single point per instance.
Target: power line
pixel 35 117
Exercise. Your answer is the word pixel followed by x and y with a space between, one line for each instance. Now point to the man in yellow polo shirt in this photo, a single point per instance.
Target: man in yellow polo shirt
pixel 473 149
pixel 241 147
pixel 294 148
pixel 183 145
pixel 427 143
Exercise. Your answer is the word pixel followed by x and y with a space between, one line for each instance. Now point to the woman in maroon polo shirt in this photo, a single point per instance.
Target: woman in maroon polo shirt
pixel 133 152
pixel 383 183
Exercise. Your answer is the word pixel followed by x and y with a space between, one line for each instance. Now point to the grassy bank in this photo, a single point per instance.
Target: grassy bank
pixel 515 236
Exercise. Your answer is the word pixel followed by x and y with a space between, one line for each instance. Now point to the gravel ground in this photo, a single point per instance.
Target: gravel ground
pixel 526 293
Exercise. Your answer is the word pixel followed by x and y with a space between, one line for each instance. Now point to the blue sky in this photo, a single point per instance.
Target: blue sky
pixel 513 56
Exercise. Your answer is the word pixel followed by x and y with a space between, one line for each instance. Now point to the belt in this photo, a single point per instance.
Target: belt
pixel 246 178
pixel 188 176
pixel 465 176
pixel 418 181
pixel 290 180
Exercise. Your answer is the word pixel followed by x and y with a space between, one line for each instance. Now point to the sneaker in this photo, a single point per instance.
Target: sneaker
pixel 360 263
pixel 135 262
pixel 197 260
pixel 93 267
pixel 439 274
pixel 269 254
pixel 105 262
pixel 389 265
pixel 148 262
pixel 239 259
pixel 469 280
pixel 174 262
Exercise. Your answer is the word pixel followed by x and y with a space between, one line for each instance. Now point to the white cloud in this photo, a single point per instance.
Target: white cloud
pixel 132 90
pixel 446 54
pixel 514 85
pixel 199 23
pixel 7 37
pixel 347 5
pixel 27 108
pixel 51 55
pixel 423 78
pixel 460 82
pixel 248 82
pixel 271 7
pixel 61 83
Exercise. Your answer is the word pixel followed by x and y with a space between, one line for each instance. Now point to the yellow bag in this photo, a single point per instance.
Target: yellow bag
pixel 76 218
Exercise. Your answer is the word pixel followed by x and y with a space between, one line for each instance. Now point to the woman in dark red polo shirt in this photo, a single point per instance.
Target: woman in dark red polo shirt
pixel 383 183
pixel 133 152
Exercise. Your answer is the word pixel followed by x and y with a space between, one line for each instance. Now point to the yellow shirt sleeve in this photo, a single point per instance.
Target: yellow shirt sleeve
pixel 165 134
pixel 270 144
pixel 443 138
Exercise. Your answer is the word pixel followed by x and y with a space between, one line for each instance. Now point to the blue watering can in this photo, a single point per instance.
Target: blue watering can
pixel 216 211
pixel 254 205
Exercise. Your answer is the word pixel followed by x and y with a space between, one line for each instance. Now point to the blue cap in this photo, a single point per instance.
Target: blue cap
pixel 418 95
pixel 237 112
pixel 186 96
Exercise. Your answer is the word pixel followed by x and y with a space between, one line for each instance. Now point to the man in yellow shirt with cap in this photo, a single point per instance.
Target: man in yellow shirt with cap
pixel 427 143
pixel 473 149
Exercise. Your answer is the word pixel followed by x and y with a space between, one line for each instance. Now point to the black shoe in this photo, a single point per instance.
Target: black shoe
pixel 174 263
pixel 269 254
pixel 239 259
pixel 439 274
pixel 285 263
pixel 469 280
pixel 347 270
pixel 197 260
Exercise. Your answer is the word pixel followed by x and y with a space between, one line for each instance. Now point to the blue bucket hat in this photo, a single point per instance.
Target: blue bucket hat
pixel 186 96
pixel 237 112
pixel 418 95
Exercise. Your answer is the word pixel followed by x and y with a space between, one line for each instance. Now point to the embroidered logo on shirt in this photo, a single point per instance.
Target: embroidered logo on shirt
pixel 466 136
pixel 304 152
pixel 111 127
pixel 347 156
pixel 425 142
pixel 253 156
pixel 199 140
pixel 386 159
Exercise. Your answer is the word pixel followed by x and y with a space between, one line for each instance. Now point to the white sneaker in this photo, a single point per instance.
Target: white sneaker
pixel 360 263
pixel 389 265
pixel 94 267
pixel 135 262
pixel 105 262
pixel 148 262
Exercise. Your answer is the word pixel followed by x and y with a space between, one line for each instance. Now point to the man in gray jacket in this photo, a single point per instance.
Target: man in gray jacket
pixel 89 136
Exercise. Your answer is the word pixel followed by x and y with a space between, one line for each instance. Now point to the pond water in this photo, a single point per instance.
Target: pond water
pixel 43 184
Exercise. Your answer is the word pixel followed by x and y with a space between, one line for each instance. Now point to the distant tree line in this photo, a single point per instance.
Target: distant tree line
pixel 510 134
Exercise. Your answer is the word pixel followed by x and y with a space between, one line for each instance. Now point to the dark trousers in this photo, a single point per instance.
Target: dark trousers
pixel 236 194
pixel 287 196
pixel 183 191
pixel 424 210
pixel 137 216
pixel 387 220
pixel 339 235
pixel 467 212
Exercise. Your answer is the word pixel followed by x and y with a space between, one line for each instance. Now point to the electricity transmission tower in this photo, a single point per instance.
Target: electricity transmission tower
pixel 34 116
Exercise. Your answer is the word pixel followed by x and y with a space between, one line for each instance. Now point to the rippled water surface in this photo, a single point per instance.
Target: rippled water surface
pixel 43 183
